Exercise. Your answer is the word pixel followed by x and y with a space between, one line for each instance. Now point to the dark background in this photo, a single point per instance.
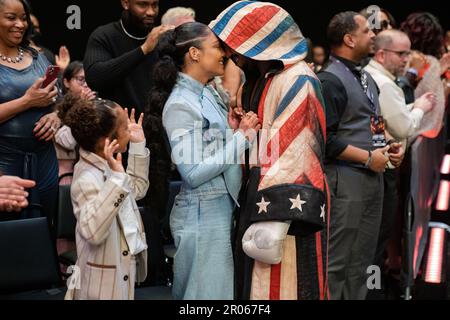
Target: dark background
pixel 311 15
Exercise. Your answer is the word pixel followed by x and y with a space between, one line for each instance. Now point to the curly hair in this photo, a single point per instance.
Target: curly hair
pixel 425 32
pixel 89 121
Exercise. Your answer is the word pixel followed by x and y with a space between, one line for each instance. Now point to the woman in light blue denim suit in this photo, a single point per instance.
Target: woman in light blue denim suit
pixel 207 143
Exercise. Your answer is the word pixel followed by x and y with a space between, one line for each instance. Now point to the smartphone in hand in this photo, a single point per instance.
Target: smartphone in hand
pixel 50 75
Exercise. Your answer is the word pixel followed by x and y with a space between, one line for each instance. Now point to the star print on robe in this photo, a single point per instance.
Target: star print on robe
pixel 297 203
pixel 262 206
pixel 322 212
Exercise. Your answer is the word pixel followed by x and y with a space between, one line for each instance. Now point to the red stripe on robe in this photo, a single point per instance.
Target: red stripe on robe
pixel 250 24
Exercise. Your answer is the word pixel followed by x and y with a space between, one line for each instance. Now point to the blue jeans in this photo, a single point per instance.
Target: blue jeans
pixel 203 264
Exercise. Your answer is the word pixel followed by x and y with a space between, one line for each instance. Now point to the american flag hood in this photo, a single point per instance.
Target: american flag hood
pixel 261 31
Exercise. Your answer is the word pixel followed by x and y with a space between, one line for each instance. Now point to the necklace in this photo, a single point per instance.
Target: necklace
pixel 16 59
pixel 131 36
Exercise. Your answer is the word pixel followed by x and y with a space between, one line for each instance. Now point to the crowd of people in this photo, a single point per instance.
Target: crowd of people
pixel 292 155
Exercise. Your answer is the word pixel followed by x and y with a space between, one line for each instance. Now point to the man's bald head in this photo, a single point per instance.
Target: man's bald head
pixel 392 49
pixel 386 38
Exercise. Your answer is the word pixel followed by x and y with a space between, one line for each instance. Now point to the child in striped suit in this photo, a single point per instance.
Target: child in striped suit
pixel 110 238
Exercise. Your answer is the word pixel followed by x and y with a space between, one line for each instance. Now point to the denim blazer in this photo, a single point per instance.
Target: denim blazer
pixel 205 149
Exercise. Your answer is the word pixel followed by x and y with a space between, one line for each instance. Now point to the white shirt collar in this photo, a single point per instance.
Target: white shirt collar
pixel 379 67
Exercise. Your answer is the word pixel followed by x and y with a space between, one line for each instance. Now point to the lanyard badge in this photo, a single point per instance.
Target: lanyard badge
pixel 377 127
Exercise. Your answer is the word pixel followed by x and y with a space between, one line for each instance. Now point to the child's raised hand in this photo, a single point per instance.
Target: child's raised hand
pixel 109 149
pixel 136 131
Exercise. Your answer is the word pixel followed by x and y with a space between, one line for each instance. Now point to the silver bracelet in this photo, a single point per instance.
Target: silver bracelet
pixel 369 160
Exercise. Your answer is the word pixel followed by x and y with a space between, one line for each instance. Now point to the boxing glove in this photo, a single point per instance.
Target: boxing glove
pixel 263 241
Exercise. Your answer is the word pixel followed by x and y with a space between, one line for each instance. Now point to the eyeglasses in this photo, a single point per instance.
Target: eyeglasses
pixel 402 54
pixel 80 79
pixel 384 24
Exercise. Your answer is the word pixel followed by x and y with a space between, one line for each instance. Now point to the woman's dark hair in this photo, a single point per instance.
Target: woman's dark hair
pixel 391 18
pixel 88 120
pixel 425 32
pixel 172 49
pixel 26 37
pixel 72 69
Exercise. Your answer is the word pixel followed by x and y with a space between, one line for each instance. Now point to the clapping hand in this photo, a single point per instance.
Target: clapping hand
pixel 13 196
pixel 63 58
